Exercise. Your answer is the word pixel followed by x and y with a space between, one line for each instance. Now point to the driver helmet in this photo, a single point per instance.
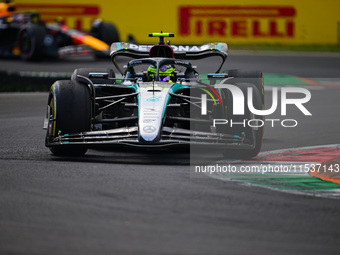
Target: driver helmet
pixel 166 72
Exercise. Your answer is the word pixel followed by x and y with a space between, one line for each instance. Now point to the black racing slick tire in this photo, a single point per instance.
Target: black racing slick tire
pixel 69 112
pixel 31 42
pixel 250 132
pixel 253 77
pixel 105 32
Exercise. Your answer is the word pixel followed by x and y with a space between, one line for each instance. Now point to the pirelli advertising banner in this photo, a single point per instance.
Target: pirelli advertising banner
pixel 196 22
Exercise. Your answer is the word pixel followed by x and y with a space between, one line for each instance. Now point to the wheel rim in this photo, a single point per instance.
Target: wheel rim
pixel 51 128
pixel 25 43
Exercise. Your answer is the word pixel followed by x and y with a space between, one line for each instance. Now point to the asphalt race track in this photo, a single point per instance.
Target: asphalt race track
pixel 137 202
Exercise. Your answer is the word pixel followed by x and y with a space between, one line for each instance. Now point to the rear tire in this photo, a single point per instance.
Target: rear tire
pixel 70 108
pixel 253 77
pixel 105 32
pixel 31 42
pixel 239 129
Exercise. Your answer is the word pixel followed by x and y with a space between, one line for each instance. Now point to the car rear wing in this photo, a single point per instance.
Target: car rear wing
pixel 189 52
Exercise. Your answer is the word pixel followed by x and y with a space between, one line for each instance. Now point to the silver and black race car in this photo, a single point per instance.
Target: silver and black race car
pixel 157 100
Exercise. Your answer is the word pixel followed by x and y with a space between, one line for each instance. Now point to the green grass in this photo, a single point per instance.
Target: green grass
pixel 279 47
pixel 283 80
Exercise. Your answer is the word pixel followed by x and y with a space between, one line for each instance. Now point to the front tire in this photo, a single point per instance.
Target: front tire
pixel 69 112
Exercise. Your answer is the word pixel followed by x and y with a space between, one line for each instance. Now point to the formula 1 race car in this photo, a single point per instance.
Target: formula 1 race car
pixel 158 101
pixel 25 35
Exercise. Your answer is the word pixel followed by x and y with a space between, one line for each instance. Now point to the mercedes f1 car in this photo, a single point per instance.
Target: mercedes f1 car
pixel 158 99
pixel 25 35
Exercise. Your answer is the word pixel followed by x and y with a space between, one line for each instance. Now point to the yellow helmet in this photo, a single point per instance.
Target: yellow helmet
pixel 165 73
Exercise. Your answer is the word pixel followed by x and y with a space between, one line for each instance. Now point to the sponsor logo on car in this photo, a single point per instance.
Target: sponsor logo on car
pixel 149 129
